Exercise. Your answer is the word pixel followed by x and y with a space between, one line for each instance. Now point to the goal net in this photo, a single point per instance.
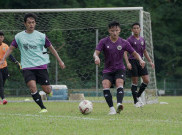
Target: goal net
pixel 75 33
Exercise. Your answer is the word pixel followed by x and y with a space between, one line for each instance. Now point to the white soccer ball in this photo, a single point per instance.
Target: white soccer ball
pixel 85 107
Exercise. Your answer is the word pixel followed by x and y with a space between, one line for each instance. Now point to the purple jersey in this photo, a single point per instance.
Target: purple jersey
pixel 47 44
pixel 113 53
pixel 138 45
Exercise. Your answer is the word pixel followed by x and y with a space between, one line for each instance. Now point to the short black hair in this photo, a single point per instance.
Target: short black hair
pixel 113 23
pixel 1 33
pixel 135 24
pixel 30 15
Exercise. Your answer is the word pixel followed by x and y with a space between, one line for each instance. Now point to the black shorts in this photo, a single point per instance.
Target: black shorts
pixel 39 75
pixel 136 70
pixel 112 76
pixel 3 76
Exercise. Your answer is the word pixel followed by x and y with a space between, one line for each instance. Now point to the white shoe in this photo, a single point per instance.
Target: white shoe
pixel 119 107
pixel 138 104
pixel 140 100
pixel 112 111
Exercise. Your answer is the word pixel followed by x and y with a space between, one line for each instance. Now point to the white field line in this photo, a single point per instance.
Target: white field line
pixel 90 119
pixel 50 116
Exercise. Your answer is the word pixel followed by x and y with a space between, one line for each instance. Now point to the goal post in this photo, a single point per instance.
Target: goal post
pixel 151 95
pixel 80 30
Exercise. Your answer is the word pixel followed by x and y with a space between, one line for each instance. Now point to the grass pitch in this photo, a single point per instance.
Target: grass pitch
pixel 64 118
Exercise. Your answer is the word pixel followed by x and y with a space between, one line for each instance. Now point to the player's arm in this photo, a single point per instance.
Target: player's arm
pixel 127 61
pixel 96 57
pixel 15 61
pixel 137 56
pixel 54 52
pixel 148 58
pixel 7 54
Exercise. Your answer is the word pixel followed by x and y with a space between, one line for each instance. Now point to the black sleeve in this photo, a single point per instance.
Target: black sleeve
pixel 12 59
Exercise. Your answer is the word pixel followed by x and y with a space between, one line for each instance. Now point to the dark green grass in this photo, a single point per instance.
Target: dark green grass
pixel 63 118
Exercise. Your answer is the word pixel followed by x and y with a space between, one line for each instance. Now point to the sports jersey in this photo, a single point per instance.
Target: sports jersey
pixel 113 53
pixel 32 46
pixel 3 48
pixel 138 45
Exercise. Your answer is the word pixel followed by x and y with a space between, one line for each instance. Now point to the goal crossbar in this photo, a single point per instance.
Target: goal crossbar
pixel 70 9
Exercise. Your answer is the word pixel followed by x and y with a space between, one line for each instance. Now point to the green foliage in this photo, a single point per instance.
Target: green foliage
pixel 166 38
pixel 166 25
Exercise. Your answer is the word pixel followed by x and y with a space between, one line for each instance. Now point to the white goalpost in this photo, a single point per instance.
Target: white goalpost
pixel 80 30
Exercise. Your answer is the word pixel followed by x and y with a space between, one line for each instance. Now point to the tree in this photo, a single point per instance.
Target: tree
pixel 166 25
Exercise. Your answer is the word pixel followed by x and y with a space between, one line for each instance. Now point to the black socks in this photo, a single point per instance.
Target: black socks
pixel 108 97
pixel 134 93
pixel 120 95
pixel 142 88
pixel 37 98
pixel 2 92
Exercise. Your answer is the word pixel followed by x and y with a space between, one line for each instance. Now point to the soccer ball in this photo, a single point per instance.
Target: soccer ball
pixel 85 107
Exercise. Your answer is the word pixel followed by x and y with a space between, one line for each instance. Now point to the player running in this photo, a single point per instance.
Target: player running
pixel 32 45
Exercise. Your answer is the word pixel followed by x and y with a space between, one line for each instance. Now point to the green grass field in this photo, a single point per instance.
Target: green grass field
pixel 63 118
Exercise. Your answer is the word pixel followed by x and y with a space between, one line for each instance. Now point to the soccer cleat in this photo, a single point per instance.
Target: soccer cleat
pixel 138 104
pixel 112 111
pixel 140 100
pixel 50 94
pixel 5 101
pixel 43 111
pixel 119 108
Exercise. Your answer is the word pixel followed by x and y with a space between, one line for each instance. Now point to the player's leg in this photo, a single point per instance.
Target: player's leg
pixel 144 74
pixel 5 76
pixel 134 79
pixel 143 85
pixel 120 94
pixel 43 79
pixel 47 89
pixel 35 94
pixel 1 86
pixel 30 79
pixel 108 96
pixel 137 100
pixel 145 77
pixel 119 81
pixel 106 91
pixel 134 88
pixel 106 83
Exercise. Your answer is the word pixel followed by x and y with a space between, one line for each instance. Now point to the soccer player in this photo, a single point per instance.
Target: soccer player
pixel 33 45
pixel 113 48
pixel 3 67
pixel 134 68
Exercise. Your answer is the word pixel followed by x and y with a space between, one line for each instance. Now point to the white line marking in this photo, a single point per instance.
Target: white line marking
pixel 50 116
pixel 86 118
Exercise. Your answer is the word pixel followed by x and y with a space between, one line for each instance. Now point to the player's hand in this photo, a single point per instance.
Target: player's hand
pixel 97 60
pixel 152 65
pixel 129 66
pixel 142 63
pixel 18 65
pixel 62 65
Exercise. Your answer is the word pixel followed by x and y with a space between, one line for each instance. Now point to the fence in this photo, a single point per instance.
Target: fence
pixel 171 87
